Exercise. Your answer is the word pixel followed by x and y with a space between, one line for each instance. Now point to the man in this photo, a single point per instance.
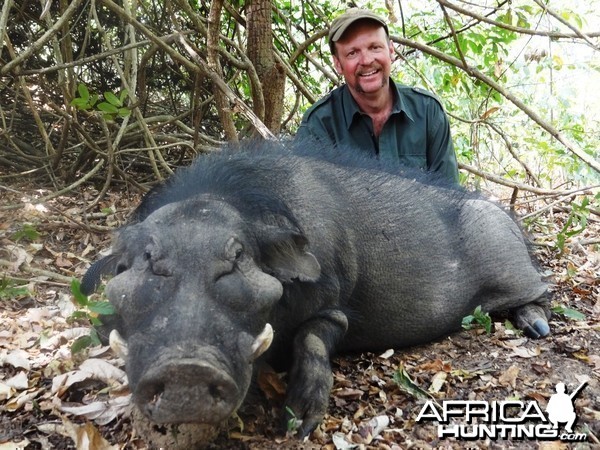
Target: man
pixel 373 113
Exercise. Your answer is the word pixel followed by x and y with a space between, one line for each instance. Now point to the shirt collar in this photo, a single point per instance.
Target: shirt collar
pixel 352 108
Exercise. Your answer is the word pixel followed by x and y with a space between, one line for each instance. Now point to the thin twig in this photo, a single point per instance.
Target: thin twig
pixel 26 268
pixel 70 188
pixel 544 124
pixel 520 30
pixel 43 40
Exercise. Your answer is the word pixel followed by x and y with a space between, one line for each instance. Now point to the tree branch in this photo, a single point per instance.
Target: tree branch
pixel 588 159
pixel 567 24
pixel 37 45
pixel 520 30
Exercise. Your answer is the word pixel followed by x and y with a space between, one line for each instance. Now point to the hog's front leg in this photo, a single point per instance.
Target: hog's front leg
pixel 310 379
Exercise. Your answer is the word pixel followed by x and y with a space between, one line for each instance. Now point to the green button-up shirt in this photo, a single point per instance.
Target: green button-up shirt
pixel 417 133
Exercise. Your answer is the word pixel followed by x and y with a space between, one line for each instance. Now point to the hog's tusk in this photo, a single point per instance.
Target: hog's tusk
pixel 262 342
pixel 118 344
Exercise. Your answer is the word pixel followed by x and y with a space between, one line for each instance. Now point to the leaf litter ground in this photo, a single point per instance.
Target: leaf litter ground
pixel 50 398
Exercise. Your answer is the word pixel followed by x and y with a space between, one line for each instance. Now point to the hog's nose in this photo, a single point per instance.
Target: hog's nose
pixel 187 390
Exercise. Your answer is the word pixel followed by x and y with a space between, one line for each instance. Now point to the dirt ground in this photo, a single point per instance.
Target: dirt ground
pixel 52 398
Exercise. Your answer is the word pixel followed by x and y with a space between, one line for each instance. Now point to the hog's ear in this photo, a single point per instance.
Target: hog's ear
pixel 92 278
pixel 283 252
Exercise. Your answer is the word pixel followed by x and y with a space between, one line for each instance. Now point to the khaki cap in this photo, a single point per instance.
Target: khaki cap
pixel 341 23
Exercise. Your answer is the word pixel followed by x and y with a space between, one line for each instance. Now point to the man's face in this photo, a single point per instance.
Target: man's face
pixel 364 57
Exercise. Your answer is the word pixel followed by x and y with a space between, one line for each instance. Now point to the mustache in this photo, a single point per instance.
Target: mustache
pixel 371 68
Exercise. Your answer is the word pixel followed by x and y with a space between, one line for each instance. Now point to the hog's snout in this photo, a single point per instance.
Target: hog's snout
pixel 187 390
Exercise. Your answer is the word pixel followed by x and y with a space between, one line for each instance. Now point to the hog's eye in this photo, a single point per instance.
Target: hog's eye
pixel 234 250
pixel 238 253
pixel 121 267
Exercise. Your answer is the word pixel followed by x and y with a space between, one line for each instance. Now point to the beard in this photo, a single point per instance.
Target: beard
pixel 358 85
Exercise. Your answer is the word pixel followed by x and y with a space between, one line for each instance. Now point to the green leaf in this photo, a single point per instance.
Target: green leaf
pixel 107 108
pixel 102 308
pixel 83 342
pixel 95 321
pixel 9 290
pixel 83 91
pixel 80 344
pixel 77 315
pixel 569 313
pixel 93 100
pixel 79 103
pixel 124 112
pixel 479 318
pixel 293 423
pixel 27 232
pixel 113 99
pixel 467 322
pixel 80 298
pixel 405 383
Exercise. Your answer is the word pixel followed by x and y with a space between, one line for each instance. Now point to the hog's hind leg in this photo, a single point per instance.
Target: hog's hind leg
pixel 533 318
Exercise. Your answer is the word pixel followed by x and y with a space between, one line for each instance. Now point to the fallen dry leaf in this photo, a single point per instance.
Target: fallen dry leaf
pixel 348 393
pixel 14 445
pixel 387 354
pixel 101 412
pixel 17 358
pixel 271 385
pixel 436 365
pixel 21 399
pixel 18 382
pixel 87 437
pixel 509 377
pixel 340 442
pixel 438 382
pixel 95 369
pixel 64 336
pixel 6 391
pixel 595 361
pixel 373 428
pixel 523 352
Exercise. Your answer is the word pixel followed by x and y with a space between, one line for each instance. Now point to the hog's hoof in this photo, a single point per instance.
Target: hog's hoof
pixel 540 328
pixel 183 436
pixel 533 320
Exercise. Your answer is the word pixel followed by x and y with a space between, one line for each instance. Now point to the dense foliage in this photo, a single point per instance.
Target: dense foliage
pixel 101 90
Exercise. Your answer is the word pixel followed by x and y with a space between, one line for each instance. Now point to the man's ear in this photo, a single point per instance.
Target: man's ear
pixel 283 252
pixel 337 64
pixel 392 51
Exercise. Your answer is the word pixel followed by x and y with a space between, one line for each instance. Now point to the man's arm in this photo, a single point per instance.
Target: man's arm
pixel 304 133
pixel 312 128
pixel 441 157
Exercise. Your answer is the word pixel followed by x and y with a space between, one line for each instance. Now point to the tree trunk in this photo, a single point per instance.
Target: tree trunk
pixel 261 54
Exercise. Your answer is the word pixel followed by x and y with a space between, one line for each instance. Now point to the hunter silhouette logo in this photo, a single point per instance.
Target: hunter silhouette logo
pixel 560 407
pixel 511 419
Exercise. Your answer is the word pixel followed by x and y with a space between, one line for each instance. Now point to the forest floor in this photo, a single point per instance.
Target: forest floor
pixel 53 398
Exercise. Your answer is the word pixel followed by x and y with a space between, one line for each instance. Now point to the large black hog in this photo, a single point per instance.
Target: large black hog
pixel 317 254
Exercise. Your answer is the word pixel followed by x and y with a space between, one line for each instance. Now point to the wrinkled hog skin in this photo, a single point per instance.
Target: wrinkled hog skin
pixel 301 256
